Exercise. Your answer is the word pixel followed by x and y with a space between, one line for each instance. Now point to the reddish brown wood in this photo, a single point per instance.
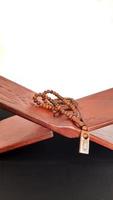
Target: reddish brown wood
pixel 18 99
pixel 16 132
pixel 96 110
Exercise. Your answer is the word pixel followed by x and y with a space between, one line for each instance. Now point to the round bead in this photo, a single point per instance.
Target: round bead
pixel 84 128
pixel 85 135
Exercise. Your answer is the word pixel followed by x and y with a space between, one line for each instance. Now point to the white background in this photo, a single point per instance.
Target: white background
pixel 62 45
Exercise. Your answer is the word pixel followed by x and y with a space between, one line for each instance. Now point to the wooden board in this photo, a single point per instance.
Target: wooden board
pixel 16 132
pixel 96 110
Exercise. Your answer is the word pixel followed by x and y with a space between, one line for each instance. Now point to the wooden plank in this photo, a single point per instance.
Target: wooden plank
pixel 16 132
pixel 97 109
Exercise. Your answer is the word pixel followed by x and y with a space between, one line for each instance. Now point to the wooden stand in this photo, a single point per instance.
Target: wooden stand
pixel 96 110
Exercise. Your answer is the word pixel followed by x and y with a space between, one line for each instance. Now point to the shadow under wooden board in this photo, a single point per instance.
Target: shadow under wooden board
pixel 96 111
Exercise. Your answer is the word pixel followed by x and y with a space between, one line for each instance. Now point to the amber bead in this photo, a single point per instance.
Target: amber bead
pixel 85 135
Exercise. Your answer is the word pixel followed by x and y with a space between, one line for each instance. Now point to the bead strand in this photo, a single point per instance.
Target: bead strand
pixel 60 105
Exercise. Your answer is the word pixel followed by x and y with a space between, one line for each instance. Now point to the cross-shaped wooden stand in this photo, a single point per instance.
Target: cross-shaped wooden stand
pixel 32 124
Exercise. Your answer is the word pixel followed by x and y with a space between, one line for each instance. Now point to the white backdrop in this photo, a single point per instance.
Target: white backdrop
pixel 62 45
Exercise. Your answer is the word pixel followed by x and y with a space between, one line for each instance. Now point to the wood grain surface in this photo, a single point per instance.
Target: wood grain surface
pixel 97 109
pixel 16 132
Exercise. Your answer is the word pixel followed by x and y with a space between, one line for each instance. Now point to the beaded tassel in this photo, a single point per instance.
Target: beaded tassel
pixel 65 106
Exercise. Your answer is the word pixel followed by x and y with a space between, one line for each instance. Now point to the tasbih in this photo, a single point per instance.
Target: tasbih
pixel 63 106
